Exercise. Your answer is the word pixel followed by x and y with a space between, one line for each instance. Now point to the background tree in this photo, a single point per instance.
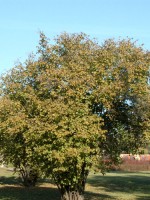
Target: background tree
pixel 76 105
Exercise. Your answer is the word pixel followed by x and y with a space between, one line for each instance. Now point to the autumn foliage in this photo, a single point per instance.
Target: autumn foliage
pixel 79 102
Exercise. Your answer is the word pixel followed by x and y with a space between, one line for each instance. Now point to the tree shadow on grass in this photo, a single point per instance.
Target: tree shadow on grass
pixel 97 196
pixel 143 198
pixel 21 193
pixel 124 183
pixel 11 189
pixel 44 193
pixel 9 180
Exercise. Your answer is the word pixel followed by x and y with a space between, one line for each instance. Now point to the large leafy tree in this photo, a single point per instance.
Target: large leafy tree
pixel 76 105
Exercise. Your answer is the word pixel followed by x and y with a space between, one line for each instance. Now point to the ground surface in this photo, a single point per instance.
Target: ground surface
pixel 113 186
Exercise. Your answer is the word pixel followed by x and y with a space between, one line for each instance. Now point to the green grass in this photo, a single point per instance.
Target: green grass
pixel 115 185
pixel 119 186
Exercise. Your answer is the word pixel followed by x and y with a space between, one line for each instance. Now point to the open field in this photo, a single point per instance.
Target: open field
pixel 115 185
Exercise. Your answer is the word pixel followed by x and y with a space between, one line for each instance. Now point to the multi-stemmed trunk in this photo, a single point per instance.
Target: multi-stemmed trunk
pixel 74 190
pixel 72 195
pixel 29 177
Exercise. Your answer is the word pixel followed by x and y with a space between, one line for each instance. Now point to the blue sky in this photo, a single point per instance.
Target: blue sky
pixel 21 21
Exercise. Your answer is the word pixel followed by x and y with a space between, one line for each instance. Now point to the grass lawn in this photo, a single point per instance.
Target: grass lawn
pixel 115 185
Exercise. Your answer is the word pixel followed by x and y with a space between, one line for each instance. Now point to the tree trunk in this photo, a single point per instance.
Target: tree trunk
pixel 29 177
pixel 75 190
pixel 72 195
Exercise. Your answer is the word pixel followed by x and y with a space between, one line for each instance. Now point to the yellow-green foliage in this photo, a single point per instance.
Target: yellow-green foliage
pixel 76 104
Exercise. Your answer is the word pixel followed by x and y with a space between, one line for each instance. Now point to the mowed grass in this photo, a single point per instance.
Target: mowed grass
pixel 119 186
pixel 114 185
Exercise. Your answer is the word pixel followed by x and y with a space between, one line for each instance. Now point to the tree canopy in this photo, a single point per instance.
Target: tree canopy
pixel 75 105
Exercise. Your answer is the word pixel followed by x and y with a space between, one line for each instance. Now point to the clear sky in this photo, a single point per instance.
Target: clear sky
pixel 21 21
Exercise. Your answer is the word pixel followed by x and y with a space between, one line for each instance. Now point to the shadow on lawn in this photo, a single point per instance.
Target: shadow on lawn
pixel 143 198
pixel 44 193
pixel 20 193
pixel 12 189
pixel 9 180
pixel 97 196
pixel 124 183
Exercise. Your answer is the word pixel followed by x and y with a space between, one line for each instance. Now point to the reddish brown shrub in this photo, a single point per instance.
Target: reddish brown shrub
pixel 135 162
